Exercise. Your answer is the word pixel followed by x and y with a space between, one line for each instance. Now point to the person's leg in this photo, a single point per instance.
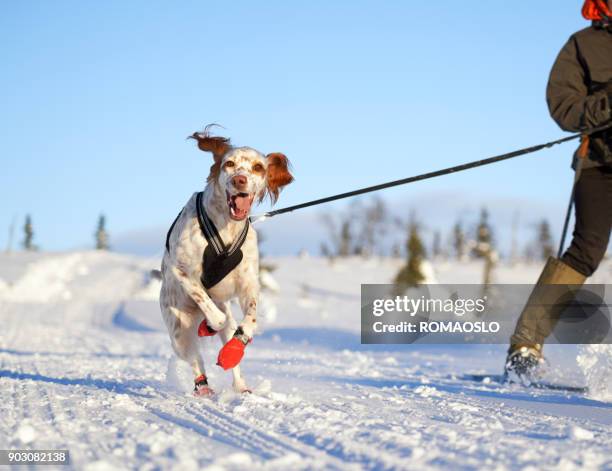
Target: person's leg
pixel 529 327
pixel 593 207
pixel 593 203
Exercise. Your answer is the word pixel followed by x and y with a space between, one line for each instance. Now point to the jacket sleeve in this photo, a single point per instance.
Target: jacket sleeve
pixel 567 94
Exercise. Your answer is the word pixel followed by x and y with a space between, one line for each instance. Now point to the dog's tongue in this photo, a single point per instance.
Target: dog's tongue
pixel 243 203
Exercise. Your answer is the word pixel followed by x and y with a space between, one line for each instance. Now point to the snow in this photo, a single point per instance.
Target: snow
pixel 86 365
pixel 595 361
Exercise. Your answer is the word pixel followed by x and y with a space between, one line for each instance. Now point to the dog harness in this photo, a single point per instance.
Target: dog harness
pixel 217 260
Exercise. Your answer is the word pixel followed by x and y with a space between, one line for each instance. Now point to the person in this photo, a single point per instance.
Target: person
pixel 579 96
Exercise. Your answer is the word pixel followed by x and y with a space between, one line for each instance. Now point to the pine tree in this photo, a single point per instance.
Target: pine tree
pixel 484 236
pixel 101 234
pixel 484 249
pixel 545 241
pixel 458 241
pixel 346 240
pixel 411 275
pixel 484 229
pixel 28 230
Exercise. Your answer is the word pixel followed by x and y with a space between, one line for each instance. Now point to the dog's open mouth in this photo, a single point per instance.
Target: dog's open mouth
pixel 239 205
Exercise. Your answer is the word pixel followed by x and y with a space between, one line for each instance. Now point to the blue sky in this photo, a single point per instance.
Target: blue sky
pixel 98 97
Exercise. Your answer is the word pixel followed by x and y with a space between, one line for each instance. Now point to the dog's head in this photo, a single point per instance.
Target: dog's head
pixel 243 173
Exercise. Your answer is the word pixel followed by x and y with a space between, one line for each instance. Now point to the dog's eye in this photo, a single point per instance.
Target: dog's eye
pixel 258 168
pixel 229 164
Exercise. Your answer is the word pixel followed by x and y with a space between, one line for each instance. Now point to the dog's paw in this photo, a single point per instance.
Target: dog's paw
pixel 231 354
pixel 203 391
pixel 240 387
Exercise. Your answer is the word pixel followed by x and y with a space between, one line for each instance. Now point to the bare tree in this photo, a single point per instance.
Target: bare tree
pixel 11 235
pixel 372 227
pixel 514 243
pixel 340 236
pixel 436 245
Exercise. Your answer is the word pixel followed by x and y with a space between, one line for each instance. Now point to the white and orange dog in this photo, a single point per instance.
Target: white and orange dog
pixel 212 256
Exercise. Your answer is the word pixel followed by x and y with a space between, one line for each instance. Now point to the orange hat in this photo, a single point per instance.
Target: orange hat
pixel 595 10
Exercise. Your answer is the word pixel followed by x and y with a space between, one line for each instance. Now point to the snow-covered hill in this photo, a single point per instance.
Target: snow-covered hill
pixel 85 365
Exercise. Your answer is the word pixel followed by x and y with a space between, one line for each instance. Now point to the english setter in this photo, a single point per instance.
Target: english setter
pixel 205 267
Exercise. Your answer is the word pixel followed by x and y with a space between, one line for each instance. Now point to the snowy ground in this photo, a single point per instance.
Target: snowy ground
pixel 85 365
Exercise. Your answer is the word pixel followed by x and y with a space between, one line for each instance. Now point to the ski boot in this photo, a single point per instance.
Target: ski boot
pixel 201 388
pixel 524 362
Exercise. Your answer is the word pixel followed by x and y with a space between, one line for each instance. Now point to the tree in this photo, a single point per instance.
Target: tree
pixel 28 239
pixel 545 242
pixel 361 231
pixel 341 237
pixel 458 240
pixel 346 239
pixel 101 234
pixel 514 241
pixel 11 234
pixel 484 249
pixel 437 245
pixel 263 266
pixel 411 274
pixel 372 227
pixel 484 236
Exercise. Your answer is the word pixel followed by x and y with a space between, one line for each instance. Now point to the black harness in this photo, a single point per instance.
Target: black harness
pixel 217 260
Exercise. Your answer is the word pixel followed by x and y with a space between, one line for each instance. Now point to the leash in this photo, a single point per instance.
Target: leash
pixel 582 154
pixel 426 176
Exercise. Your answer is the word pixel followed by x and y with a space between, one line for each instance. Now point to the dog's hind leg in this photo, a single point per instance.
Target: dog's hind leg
pixel 239 384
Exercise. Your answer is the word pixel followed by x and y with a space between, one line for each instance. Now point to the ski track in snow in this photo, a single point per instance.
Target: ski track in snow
pixel 85 365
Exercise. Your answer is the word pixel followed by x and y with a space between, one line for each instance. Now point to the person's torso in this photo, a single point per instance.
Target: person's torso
pixel 595 54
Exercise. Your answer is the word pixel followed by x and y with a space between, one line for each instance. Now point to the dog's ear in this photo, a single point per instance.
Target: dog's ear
pixel 277 175
pixel 216 145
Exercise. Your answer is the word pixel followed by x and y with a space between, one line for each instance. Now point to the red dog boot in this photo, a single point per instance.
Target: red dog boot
pixel 233 351
pixel 202 388
pixel 205 331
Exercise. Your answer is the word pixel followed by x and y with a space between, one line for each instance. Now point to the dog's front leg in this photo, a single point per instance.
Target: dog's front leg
pixel 226 334
pixel 233 351
pixel 215 318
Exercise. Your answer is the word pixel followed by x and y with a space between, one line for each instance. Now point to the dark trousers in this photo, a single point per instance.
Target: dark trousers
pixel 593 209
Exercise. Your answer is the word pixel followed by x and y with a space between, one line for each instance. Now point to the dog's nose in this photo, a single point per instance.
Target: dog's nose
pixel 239 181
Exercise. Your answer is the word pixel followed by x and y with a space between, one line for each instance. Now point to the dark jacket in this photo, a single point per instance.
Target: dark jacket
pixel 579 92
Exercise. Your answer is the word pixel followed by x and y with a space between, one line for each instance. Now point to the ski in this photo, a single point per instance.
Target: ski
pixel 502 380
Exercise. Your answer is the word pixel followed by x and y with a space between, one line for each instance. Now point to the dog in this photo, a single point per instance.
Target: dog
pixel 201 269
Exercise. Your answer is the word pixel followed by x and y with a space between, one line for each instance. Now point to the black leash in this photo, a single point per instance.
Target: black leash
pixel 426 176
